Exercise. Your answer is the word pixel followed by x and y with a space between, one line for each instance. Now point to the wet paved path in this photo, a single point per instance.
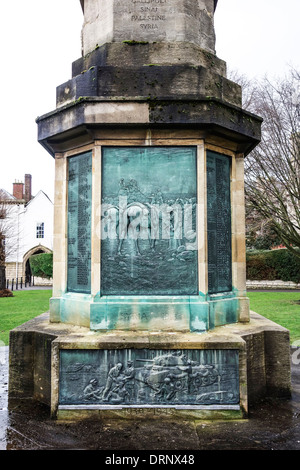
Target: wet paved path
pixel 272 425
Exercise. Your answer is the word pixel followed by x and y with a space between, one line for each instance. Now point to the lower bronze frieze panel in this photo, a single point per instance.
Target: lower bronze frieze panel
pixel 145 377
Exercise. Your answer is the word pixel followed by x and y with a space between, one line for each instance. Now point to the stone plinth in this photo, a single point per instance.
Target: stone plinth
pixel 257 354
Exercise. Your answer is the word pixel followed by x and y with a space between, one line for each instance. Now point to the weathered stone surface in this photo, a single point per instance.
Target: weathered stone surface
pixel 30 359
pixel 76 122
pixel 277 363
pixel 21 358
pixel 133 54
pixel 145 20
pixel 165 82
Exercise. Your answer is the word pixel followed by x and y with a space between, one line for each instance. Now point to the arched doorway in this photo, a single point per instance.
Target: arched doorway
pixel 26 260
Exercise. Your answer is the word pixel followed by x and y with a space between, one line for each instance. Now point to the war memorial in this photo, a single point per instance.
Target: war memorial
pixel 149 314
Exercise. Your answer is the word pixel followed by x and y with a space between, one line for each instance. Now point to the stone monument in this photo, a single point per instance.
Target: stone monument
pixel 149 312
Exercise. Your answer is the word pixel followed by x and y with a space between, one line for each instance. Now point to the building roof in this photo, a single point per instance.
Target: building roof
pixel 6 196
pixel 40 193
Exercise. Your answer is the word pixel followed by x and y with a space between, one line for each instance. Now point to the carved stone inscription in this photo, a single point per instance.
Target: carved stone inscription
pixel 150 21
pixel 219 223
pixel 149 377
pixel 79 223
pixel 151 15
pixel 148 227
pixel 141 19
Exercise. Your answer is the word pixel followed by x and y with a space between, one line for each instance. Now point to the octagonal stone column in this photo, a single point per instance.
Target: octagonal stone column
pixel 148 21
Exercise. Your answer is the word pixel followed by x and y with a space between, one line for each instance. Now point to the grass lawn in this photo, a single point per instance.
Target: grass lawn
pixel 24 306
pixel 281 307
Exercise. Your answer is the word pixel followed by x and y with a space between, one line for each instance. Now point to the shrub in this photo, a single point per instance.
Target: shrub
pixel 42 265
pixel 274 264
pixel 6 293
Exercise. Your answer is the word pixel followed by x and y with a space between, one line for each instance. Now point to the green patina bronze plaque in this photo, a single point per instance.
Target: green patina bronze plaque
pixel 148 224
pixel 149 377
pixel 219 223
pixel 79 223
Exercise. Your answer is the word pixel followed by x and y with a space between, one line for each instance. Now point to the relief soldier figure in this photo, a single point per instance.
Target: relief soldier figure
pixel 91 392
pixel 112 379
pixel 129 373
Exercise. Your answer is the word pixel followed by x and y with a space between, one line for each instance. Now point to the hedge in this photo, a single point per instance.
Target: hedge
pixel 273 265
pixel 42 265
pixel 261 265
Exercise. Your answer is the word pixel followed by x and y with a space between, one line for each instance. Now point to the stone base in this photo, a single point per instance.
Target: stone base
pixel 155 313
pixel 221 371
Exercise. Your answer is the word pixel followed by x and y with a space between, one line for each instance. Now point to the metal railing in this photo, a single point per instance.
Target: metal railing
pixel 18 283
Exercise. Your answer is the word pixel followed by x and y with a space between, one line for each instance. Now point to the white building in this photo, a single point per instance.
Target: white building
pixel 28 228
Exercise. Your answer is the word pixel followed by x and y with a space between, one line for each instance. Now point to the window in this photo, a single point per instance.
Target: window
pixel 40 230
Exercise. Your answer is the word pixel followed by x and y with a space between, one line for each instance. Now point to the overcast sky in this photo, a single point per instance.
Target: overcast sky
pixel 40 39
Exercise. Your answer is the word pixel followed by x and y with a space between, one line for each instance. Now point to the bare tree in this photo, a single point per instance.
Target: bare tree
pixel 3 213
pixel 8 232
pixel 248 88
pixel 272 170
